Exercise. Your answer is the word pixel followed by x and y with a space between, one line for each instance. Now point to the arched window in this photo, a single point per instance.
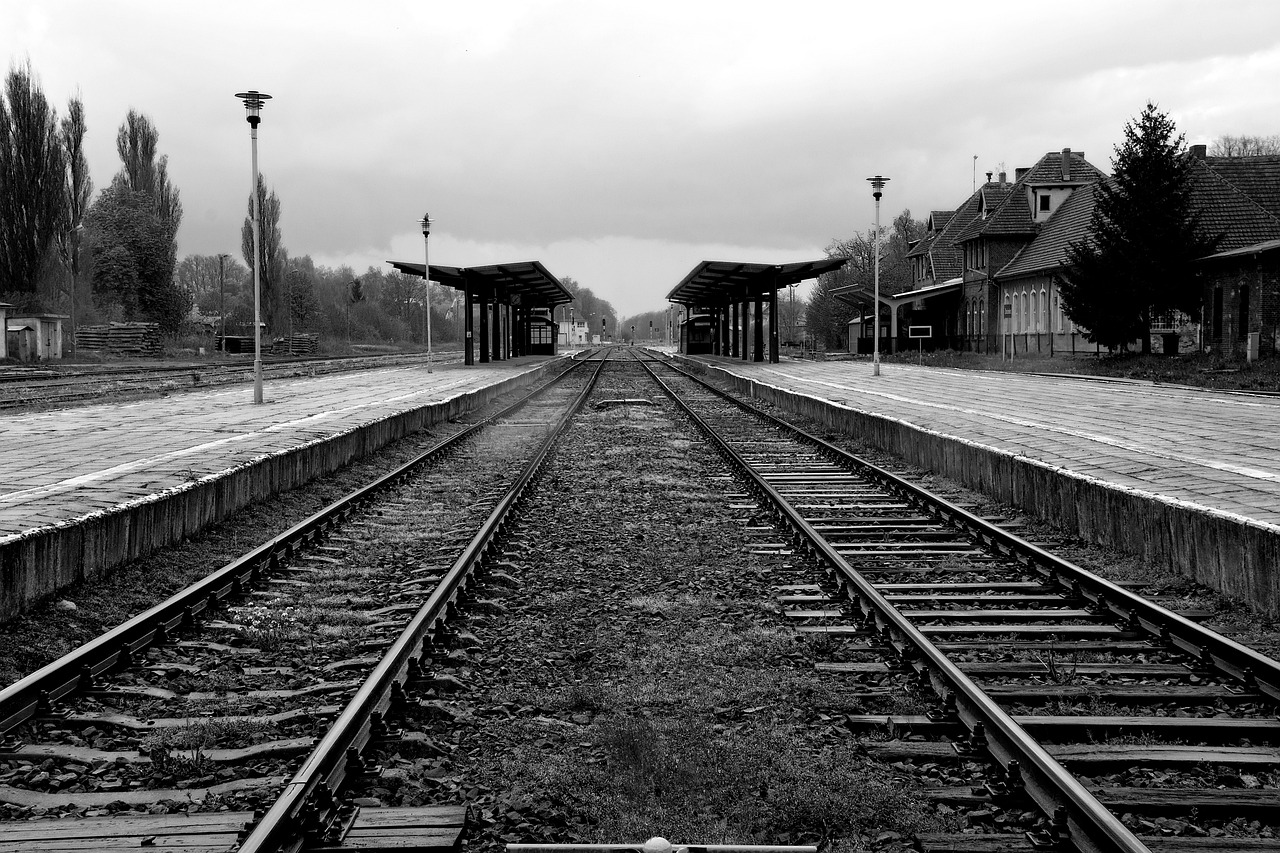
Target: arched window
pixel 1057 312
pixel 1017 314
pixel 1044 311
pixel 982 314
pixel 1035 314
pixel 1026 312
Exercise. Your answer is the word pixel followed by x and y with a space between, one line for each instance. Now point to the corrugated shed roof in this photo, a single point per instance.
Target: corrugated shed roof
pixel 1256 177
pixel 1227 211
pixel 1048 251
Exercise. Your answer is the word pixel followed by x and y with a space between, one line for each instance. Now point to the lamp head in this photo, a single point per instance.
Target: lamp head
pixel 253 101
pixel 426 224
pixel 877 184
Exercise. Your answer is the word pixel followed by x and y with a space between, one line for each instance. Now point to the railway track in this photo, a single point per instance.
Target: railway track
pixel 264 685
pixel 70 384
pixel 1055 677
pixel 1069 709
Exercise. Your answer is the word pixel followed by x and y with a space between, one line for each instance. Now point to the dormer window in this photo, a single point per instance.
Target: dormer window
pixel 1044 203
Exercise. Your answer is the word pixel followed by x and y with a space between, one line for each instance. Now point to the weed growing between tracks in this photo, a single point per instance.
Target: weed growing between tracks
pixel 642 680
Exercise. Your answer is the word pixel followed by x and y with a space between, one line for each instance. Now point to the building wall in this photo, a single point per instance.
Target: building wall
pixel 1226 332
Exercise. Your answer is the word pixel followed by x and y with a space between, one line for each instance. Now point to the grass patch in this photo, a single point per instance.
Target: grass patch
pixel 693 781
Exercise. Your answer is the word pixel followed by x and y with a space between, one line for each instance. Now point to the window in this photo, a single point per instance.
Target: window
pixel 1044 311
pixel 1244 312
pixel 1218 319
pixel 1016 325
pixel 1026 313
pixel 1044 204
pixel 1035 313
pixel 1057 312
pixel 982 314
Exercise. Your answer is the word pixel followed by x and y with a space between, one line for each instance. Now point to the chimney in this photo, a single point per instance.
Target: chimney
pixel 1199 152
pixel 1020 173
pixel 1066 164
pixel 1002 178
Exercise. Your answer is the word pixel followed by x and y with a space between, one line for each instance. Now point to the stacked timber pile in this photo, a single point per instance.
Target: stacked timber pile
pixel 120 338
pixel 303 343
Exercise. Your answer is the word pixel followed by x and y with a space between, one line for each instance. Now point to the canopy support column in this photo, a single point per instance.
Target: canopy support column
pixel 773 326
pixel 484 328
pixel 758 355
pixel 468 307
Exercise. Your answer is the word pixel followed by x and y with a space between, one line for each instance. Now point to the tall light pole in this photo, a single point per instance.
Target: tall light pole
pixel 222 298
pixel 253 101
pixel 426 276
pixel 877 185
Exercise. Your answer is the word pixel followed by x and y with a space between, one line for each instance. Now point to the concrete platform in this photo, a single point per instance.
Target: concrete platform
pixel 85 489
pixel 1186 478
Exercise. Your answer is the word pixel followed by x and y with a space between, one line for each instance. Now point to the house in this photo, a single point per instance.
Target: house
pixel 1007 225
pixel 1238 199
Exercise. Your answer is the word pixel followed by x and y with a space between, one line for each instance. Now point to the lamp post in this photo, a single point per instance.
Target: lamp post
pixel 426 277
pixel 877 186
pixel 253 102
pixel 571 329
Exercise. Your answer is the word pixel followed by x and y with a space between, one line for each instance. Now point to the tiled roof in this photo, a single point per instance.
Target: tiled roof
pixel 993 195
pixel 1014 215
pixel 1048 251
pixel 922 247
pixel 1256 177
pixel 945 255
pixel 938 219
pixel 1226 210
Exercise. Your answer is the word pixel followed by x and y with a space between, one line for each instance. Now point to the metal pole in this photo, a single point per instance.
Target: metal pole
pixel 257 275
pixel 222 299
pixel 877 185
pixel 426 276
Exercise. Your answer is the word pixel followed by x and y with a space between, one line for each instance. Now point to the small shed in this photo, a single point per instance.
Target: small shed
pixel 47 332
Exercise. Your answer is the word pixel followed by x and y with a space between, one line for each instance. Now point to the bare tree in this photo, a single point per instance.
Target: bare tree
pixel 1245 146
pixel 32 167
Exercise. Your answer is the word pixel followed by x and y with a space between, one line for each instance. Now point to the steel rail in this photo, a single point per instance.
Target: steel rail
pixel 1076 813
pixel 1254 670
pixel 35 693
pixel 309 804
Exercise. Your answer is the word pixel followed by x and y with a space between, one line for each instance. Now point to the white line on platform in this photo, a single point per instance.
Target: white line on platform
pixel 1255 473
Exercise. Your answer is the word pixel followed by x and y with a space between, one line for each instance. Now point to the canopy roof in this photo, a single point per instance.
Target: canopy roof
pixel 528 280
pixel 722 282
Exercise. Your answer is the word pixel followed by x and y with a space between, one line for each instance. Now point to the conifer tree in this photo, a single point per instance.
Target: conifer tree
pixel 1139 258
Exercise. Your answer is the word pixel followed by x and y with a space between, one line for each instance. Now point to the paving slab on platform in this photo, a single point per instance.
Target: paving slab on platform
pixel 82 489
pixel 1208 453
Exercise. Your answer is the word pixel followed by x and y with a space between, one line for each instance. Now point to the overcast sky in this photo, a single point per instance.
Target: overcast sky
pixel 622 142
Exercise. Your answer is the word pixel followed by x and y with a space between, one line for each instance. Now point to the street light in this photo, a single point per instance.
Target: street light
pixel 877 185
pixel 253 102
pixel 426 276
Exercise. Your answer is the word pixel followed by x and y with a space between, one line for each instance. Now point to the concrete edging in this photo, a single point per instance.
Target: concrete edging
pixel 41 562
pixel 1237 556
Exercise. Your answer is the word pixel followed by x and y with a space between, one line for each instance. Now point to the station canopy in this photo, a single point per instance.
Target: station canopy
pixel 723 282
pixel 526 283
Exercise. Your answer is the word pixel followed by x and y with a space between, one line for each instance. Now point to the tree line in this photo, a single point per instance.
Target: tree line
pixel 113 257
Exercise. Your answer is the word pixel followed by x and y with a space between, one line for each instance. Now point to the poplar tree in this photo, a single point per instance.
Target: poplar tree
pixel 271 255
pixel 1139 258
pixel 32 166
